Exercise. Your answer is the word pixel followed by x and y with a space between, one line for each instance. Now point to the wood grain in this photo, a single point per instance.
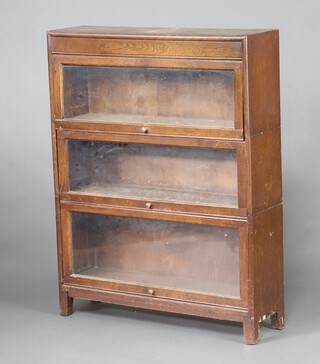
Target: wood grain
pixel 156 48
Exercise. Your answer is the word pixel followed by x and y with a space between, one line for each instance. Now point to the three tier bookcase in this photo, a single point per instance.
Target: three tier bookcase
pixel 167 167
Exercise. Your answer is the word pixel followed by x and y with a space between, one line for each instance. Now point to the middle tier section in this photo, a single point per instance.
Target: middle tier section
pixel 163 177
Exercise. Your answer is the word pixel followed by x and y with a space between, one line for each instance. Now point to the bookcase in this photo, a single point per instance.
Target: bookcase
pixel 167 168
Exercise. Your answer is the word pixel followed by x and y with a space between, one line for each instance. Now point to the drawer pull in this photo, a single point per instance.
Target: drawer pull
pixel 144 130
pixel 151 292
pixel 148 205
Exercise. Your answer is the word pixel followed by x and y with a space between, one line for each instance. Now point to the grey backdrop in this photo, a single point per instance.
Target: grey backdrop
pixel 31 330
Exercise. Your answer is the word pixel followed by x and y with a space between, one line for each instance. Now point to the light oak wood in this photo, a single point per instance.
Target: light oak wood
pixel 221 49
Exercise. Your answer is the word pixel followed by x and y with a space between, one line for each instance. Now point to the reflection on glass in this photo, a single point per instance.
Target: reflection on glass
pixel 172 174
pixel 198 98
pixel 157 253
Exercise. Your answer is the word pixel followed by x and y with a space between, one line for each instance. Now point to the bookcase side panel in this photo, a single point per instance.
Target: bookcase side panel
pixel 264 153
pixel 262 82
pixel 267 263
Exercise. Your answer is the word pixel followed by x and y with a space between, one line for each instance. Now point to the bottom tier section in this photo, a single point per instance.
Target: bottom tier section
pixel 174 255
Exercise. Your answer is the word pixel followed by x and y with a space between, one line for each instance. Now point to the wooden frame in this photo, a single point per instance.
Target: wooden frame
pixel 253 56
pixel 199 64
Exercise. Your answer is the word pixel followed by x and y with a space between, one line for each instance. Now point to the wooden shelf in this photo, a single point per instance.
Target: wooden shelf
pixel 153 120
pixel 151 194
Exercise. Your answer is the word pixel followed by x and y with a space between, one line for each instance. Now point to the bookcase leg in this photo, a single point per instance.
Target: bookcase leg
pixel 251 331
pixel 66 304
pixel 277 320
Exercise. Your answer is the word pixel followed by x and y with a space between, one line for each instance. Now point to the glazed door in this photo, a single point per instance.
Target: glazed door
pixel 122 250
pixel 159 177
pixel 134 95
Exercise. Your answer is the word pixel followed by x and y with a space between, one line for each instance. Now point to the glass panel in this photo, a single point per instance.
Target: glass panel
pixel 173 174
pixel 157 253
pixel 199 98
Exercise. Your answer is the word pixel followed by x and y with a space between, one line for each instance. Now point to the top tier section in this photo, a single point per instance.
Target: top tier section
pixel 163 81
pixel 130 41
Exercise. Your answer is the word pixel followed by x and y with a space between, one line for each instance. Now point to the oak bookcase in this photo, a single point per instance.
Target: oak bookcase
pixel 167 167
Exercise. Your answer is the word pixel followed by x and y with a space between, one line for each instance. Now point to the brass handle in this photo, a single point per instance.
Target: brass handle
pixel 151 292
pixel 144 130
pixel 148 205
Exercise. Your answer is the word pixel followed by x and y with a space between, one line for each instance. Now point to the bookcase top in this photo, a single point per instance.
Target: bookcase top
pixel 155 33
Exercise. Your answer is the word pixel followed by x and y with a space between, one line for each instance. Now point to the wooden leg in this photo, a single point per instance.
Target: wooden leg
pixel 66 304
pixel 251 331
pixel 277 320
